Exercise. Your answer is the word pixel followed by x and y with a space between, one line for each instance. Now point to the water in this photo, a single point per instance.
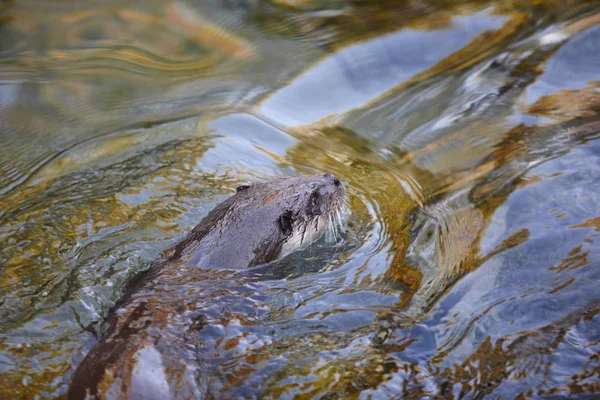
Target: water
pixel 466 132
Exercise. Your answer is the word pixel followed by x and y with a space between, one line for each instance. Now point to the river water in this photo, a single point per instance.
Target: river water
pixel 467 134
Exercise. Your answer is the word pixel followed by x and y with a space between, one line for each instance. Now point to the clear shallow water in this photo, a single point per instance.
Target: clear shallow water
pixel 467 135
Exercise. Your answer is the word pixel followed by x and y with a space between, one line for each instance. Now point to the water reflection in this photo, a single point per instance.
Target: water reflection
pixel 467 135
pixel 362 72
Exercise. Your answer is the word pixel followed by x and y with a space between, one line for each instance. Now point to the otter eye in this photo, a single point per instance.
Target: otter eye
pixel 240 188
pixel 286 221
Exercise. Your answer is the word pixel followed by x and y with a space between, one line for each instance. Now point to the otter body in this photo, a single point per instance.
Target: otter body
pixel 149 350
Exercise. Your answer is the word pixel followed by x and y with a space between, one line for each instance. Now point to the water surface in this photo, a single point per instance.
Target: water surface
pixel 466 133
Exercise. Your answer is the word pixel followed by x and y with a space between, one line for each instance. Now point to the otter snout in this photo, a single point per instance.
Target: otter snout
pixel 332 178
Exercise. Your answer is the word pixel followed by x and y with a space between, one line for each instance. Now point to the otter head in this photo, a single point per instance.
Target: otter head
pixel 263 222
pixel 313 204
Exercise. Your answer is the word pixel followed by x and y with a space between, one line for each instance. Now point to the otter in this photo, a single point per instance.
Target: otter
pixel 149 349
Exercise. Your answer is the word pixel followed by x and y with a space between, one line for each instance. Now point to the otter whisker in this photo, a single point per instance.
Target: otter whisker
pixel 332 228
pixel 336 221
pixel 329 232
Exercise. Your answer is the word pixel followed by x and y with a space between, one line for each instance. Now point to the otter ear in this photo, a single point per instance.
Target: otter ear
pixel 286 221
pixel 240 188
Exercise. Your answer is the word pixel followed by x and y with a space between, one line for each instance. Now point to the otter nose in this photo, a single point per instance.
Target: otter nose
pixel 336 181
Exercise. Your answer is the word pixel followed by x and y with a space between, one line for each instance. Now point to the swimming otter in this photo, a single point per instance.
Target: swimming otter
pixel 146 351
